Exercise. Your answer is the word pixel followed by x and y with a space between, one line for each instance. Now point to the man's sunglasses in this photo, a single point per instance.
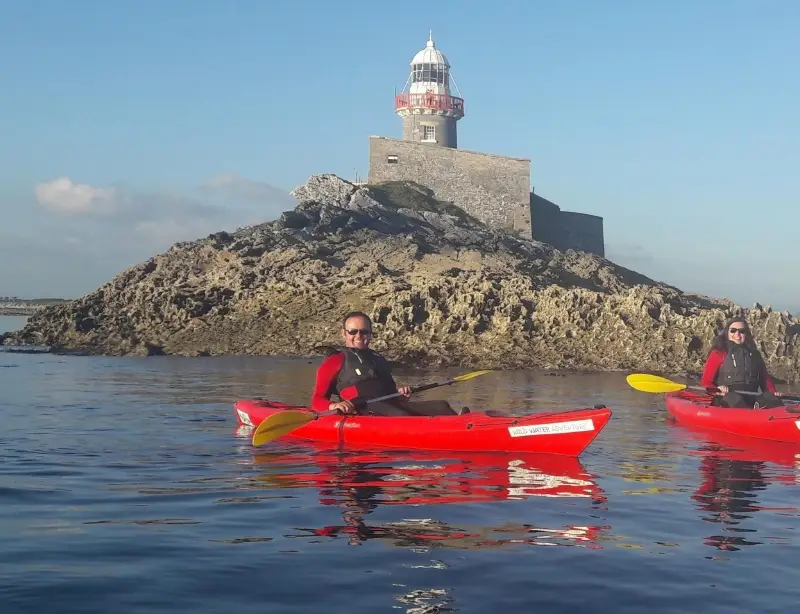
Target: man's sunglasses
pixel 353 331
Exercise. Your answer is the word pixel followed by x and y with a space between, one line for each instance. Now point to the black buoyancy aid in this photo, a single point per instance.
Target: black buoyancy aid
pixel 742 368
pixel 364 375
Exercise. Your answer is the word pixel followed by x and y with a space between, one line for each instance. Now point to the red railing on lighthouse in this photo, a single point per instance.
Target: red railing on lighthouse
pixel 435 102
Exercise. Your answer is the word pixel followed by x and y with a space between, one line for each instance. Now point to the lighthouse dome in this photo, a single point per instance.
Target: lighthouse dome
pixel 430 55
pixel 430 71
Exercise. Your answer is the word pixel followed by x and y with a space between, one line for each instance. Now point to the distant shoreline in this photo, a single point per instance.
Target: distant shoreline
pixel 12 306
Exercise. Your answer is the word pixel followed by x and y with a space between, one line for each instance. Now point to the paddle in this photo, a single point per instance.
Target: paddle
pixel 659 385
pixel 286 421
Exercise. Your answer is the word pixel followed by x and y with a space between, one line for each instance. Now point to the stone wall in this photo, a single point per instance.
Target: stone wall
pixel 566 229
pixel 546 218
pixel 494 189
pixel 583 232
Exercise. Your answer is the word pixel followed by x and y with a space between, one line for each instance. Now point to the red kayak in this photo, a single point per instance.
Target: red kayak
pixel 567 432
pixel 775 424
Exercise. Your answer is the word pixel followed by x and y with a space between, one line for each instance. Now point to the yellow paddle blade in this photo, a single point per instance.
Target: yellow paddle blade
pixel 461 378
pixel 653 383
pixel 280 424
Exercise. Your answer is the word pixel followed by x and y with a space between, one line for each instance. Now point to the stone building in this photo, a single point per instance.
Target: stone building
pixel 495 189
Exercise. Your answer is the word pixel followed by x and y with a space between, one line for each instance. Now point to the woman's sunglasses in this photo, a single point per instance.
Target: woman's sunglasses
pixel 733 331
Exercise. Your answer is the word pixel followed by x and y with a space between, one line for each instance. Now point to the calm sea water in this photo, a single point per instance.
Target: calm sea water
pixel 125 486
pixel 9 323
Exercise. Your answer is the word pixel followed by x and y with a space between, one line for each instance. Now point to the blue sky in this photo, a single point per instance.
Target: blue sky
pixel 125 126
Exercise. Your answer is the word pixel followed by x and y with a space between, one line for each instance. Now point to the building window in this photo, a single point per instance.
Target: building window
pixel 391 159
pixel 429 133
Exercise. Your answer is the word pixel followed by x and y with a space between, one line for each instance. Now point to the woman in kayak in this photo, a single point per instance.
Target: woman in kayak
pixel 357 373
pixel 734 363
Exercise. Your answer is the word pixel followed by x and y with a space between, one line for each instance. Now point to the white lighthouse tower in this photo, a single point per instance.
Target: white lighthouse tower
pixel 428 110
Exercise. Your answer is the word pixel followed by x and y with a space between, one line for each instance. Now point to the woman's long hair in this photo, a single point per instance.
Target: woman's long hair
pixel 720 342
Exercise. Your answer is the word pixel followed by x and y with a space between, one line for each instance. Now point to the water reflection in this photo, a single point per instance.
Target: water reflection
pixel 735 472
pixel 427 533
pixel 728 491
pixel 703 442
pixel 425 477
pixel 358 482
pixel 427 601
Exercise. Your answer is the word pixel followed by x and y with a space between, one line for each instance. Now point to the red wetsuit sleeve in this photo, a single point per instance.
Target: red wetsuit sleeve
pixel 326 380
pixel 768 383
pixel 713 363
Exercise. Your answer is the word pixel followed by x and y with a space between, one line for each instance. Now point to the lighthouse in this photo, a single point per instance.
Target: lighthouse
pixel 428 109
pixel 493 188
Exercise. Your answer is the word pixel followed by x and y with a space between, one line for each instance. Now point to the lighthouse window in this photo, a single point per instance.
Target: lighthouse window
pixel 429 73
pixel 429 133
pixel 391 159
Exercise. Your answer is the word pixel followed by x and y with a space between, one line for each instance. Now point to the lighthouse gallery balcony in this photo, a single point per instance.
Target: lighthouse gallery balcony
pixel 432 103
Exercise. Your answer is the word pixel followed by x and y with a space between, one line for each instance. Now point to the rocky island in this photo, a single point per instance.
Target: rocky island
pixel 441 287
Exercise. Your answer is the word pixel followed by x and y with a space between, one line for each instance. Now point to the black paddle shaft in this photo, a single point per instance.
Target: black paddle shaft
pixel 785 397
pixel 363 404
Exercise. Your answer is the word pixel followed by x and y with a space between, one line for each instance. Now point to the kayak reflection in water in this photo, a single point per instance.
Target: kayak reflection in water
pixel 356 373
pixel 359 484
pixel 728 492
pixel 734 363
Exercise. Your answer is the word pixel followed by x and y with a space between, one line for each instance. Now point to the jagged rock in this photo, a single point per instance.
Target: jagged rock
pixel 441 287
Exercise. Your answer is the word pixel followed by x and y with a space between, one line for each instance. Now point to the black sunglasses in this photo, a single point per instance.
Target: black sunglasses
pixel 353 331
pixel 733 331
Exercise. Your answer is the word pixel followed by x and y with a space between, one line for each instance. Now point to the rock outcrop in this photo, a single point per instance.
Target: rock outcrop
pixel 441 287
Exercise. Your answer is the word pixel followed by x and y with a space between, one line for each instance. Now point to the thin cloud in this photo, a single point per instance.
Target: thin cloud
pixel 64 196
pixel 256 192
pixel 161 219
pixel 94 232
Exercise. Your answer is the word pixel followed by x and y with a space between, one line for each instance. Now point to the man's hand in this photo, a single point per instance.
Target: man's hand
pixel 405 391
pixel 345 407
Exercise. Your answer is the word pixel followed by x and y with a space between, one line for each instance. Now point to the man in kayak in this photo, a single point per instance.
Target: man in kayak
pixel 357 373
pixel 734 363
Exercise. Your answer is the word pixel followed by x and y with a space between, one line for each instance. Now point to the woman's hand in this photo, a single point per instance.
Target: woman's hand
pixel 723 390
pixel 778 394
pixel 405 391
pixel 345 407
